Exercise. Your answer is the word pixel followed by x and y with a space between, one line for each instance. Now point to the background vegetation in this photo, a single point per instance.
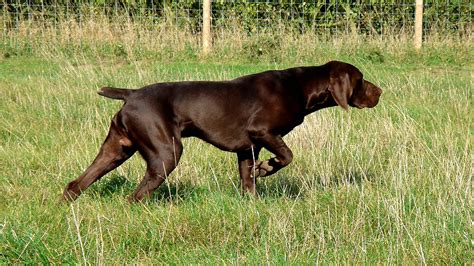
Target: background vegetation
pixel 251 30
pixel 391 184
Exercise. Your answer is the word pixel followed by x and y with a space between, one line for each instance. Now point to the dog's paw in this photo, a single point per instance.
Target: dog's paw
pixel 68 196
pixel 262 168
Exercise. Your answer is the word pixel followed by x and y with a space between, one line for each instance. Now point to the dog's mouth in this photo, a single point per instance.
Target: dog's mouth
pixel 365 105
pixel 369 102
pixel 358 105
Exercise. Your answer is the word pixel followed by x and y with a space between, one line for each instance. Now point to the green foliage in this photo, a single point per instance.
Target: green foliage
pixel 266 48
pixel 321 16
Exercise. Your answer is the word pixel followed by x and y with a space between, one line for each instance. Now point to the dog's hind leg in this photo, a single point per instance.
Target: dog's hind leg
pixel 162 157
pixel 115 150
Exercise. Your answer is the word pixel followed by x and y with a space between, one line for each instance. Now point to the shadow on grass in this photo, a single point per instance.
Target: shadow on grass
pixel 110 186
pixel 177 192
pixel 118 184
pixel 274 187
pixel 281 187
pixel 294 188
pixel 352 178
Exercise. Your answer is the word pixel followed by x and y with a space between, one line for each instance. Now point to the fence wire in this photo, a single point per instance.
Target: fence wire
pixel 320 17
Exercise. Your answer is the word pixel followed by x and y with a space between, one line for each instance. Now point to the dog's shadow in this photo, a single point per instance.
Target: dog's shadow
pixel 177 192
pixel 296 187
pixel 118 184
pixel 272 187
pixel 282 187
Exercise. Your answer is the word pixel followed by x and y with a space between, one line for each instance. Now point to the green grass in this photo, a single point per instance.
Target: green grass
pixel 385 185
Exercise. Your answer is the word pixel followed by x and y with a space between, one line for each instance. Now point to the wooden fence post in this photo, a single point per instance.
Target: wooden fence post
pixel 206 26
pixel 418 23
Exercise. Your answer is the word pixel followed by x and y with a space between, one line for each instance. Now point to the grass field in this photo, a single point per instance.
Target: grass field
pixel 386 185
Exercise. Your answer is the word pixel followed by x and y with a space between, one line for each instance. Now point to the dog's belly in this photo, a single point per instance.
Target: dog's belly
pixel 227 139
pixel 232 145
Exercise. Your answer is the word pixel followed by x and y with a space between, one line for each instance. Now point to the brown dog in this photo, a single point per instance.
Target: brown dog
pixel 242 115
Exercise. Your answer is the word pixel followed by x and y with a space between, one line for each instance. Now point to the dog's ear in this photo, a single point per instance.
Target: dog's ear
pixel 341 89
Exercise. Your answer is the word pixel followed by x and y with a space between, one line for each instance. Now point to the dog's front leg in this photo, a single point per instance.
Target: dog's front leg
pixel 277 146
pixel 248 171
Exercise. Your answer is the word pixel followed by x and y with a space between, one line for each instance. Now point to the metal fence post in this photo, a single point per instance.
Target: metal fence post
pixel 418 23
pixel 206 26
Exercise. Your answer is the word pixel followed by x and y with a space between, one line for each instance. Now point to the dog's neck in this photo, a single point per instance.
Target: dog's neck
pixel 314 83
pixel 316 101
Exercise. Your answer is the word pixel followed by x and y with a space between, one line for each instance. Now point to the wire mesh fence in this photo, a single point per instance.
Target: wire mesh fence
pixel 325 18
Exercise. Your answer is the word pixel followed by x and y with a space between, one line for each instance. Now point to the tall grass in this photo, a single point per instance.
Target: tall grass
pixel 390 184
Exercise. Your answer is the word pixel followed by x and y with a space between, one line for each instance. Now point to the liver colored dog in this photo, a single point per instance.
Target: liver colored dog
pixel 242 115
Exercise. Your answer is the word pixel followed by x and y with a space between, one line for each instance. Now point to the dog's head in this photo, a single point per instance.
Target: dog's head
pixel 348 87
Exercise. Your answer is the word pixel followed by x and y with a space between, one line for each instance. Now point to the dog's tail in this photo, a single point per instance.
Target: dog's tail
pixel 115 93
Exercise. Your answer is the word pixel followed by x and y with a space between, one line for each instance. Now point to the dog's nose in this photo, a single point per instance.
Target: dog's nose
pixel 378 91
